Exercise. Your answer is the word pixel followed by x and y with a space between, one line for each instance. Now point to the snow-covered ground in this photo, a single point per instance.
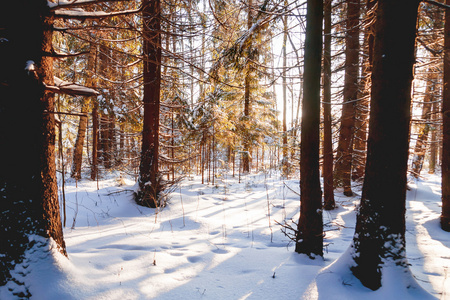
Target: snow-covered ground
pixel 222 241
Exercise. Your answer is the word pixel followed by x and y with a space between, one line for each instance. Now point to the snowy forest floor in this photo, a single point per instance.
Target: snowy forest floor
pixel 222 241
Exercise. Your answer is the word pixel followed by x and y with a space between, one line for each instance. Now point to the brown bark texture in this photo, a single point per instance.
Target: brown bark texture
pixel 309 239
pixel 247 100
pixel 362 106
pixel 424 129
pixel 149 176
pixel 327 168
pixel 380 229
pixel 28 186
pixel 445 166
pixel 343 168
pixel 82 126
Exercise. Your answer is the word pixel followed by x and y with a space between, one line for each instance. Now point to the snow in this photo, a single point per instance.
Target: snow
pixel 72 88
pixel 30 66
pixel 221 242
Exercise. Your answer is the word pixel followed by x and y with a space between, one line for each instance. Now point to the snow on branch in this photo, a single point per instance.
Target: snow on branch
pixel 69 88
pixel 75 3
pixel 78 13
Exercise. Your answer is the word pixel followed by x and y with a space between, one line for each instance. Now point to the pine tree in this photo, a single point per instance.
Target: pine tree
pixel 309 239
pixel 379 239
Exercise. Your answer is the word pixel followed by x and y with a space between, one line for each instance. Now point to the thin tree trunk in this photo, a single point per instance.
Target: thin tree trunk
pixel 445 167
pixel 82 126
pixel 327 167
pixel 434 141
pixel 424 129
pixel 285 162
pixel 362 107
pixel 309 239
pixel 379 239
pixel 95 125
pixel 247 101
pixel 79 144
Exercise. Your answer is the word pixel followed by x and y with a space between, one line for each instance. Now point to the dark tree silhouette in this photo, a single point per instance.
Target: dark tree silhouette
pixel 380 230
pixel 309 238
pixel 445 216
pixel 28 187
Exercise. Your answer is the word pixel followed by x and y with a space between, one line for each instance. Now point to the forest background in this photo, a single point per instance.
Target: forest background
pixel 160 91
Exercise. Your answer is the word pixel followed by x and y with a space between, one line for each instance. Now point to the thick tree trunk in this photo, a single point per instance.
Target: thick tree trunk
pixel 343 167
pixel 310 228
pixel 327 167
pixel 445 216
pixel 379 238
pixel 28 186
pixel 149 176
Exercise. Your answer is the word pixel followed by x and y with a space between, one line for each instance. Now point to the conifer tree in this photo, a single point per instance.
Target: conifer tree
pixel 379 240
pixel 309 239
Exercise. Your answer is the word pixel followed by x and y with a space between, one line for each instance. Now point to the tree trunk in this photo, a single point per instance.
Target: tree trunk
pixel 247 100
pixel 82 126
pixel 95 126
pixel 327 167
pixel 362 107
pixel 79 143
pixel 285 162
pixel 379 239
pixel 309 239
pixel 434 141
pixel 424 129
pixel 149 176
pixel 345 147
pixel 445 216
pixel 28 186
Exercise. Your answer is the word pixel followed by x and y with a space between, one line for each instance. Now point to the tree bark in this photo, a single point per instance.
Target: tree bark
pixel 95 127
pixel 434 141
pixel 79 143
pixel 285 160
pixel 309 239
pixel 424 129
pixel 149 176
pixel 28 186
pixel 327 167
pixel 362 107
pixel 343 167
pixel 247 100
pixel 379 238
pixel 445 166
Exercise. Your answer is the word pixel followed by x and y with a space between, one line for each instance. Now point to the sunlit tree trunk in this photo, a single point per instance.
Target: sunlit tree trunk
pixel 343 167
pixel 362 106
pixel 149 176
pixel 285 162
pixel 424 129
pixel 247 101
